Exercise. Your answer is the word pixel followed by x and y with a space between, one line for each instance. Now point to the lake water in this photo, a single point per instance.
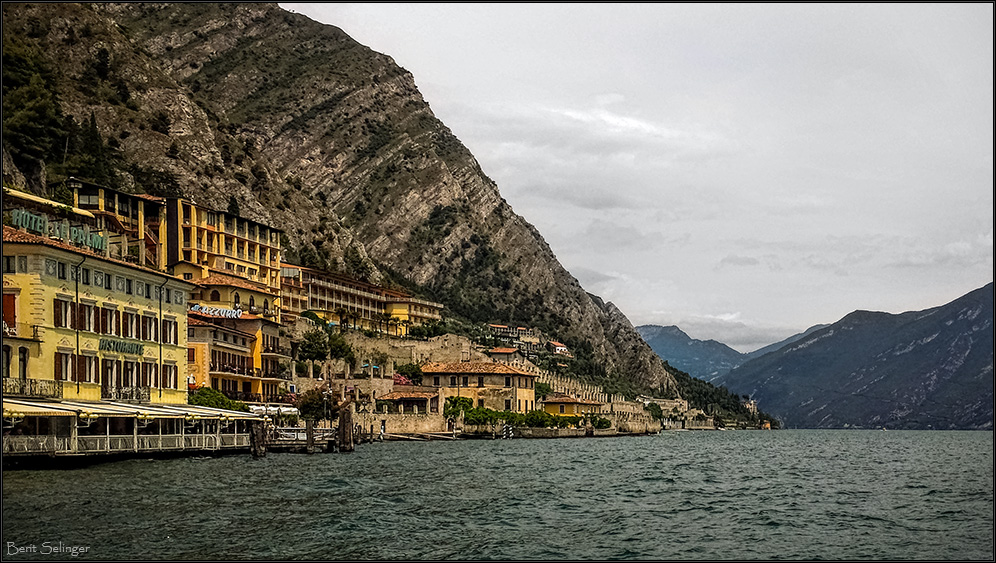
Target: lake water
pixel 789 494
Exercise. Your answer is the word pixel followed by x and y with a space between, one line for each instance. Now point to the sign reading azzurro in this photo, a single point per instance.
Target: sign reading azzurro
pixel 217 311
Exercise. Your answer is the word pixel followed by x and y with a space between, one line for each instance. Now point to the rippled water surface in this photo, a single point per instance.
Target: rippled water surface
pixel 682 495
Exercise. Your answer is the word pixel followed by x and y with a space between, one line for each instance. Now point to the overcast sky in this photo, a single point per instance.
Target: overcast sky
pixel 742 171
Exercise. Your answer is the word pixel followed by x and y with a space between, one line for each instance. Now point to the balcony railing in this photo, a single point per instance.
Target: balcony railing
pixel 130 394
pixel 257 397
pixel 32 387
pixel 235 370
pixel 22 330
pixel 276 350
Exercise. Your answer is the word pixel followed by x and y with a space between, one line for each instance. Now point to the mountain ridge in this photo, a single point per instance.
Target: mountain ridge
pixel 298 125
pixel 917 370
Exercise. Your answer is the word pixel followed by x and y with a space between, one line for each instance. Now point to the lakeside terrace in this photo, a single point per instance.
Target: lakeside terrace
pixel 78 428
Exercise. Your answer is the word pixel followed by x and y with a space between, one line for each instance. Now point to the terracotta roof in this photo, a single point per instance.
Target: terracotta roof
pixel 396 395
pixel 473 368
pixel 560 398
pixel 503 350
pixel 555 343
pixel 17 236
pixel 221 279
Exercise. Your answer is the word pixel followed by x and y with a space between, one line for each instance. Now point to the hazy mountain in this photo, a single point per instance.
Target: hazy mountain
pixel 298 126
pixel 772 347
pixel 708 360
pixel 703 359
pixel 915 370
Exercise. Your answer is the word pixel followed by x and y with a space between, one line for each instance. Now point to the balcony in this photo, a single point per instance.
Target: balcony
pixel 257 397
pixel 128 394
pixel 235 370
pixel 22 330
pixel 276 351
pixel 46 388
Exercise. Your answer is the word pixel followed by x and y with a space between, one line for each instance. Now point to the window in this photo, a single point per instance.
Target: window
pixel 63 366
pixel 6 360
pixel 86 368
pixel 130 379
pixel 61 313
pixel 215 296
pixel 85 317
pixel 453 381
pixel 508 382
pixel 22 359
pixel 169 331
pixel 561 409
pixel 480 381
pixel 148 290
pixel 85 276
pixel 508 404
pixel 9 264
pixel 236 299
pixel 190 355
pixel 61 270
pixel 188 276
pixel 435 380
pixel 128 286
pixel 466 380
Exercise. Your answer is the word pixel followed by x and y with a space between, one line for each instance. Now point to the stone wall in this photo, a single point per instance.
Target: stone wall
pixel 396 423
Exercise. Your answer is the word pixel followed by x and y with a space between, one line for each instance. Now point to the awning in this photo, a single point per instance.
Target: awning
pixel 19 408
pixel 198 411
pixel 15 408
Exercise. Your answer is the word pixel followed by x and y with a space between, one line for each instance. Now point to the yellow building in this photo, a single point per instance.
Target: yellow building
pixel 202 243
pixel 559 404
pixel 134 224
pixel 490 385
pixel 240 356
pixel 78 325
pixel 351 302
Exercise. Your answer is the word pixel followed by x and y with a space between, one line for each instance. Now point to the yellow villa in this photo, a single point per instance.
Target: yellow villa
pixel 559 404
pixel 490 385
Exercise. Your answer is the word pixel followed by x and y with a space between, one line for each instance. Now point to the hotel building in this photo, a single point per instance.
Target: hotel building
pixel 344 300
pixel 491 385
pixel 79 324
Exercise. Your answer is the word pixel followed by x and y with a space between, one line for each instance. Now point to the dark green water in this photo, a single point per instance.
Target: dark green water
pixel 686 495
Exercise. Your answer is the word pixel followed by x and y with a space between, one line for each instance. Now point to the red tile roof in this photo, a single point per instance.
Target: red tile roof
pixel 221 279
pixel 504 350
pixel 476 368
pixel 560 398
pixel 396 395
pixel 17 236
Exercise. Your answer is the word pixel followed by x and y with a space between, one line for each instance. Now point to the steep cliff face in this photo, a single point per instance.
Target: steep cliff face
pixel 314 133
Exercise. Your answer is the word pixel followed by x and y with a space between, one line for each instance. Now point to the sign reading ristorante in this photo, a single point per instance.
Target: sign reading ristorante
pixel 121 346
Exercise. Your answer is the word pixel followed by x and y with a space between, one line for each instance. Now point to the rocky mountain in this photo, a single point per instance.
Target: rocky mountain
pixel 915 370
pixel 299 126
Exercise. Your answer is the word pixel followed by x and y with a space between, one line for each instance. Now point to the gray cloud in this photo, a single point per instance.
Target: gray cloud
pixel 789 163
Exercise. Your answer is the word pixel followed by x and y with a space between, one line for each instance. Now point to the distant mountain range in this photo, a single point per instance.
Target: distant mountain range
pixel 704 359
pixel 930 369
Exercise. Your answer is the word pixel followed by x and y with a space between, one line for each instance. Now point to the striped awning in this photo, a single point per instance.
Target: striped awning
pixel 20 408
pixel 15 408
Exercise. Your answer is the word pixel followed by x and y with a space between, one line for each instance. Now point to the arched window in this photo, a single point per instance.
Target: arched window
pixel 22 358
pixel 252 302
pixel 266 304
pixel 215 296
pixel 236 299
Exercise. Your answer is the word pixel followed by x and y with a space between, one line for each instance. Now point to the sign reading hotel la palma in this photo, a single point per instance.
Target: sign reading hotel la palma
pixel 81 236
